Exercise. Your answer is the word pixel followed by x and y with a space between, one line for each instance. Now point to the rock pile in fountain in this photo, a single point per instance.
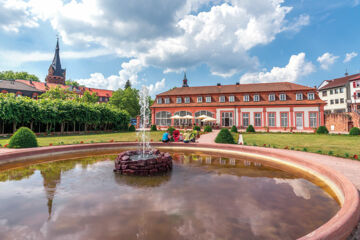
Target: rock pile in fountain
pixel 129 163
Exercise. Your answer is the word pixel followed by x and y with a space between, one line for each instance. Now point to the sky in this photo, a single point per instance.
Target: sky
pixel 103 43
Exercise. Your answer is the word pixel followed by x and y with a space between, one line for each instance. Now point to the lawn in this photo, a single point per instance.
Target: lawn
pixel 337 145
pixel 91 138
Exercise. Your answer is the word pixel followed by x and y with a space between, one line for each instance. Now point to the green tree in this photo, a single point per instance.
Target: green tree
pixel 10 75
pixel 72 83
pixel 127 100
pixel 127 84
pixel 89 98
pixel 58 93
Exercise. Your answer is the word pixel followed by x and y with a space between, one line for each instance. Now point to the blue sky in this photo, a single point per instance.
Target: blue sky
pixel 105 42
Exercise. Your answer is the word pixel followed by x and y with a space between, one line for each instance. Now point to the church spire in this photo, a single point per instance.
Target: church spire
pixel 56 74
pixel 185 84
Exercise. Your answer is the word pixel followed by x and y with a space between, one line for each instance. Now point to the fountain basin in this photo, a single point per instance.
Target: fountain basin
pixel 148 164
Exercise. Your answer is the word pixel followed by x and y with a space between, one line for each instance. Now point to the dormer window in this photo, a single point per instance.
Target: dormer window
pixel 222 99
pixel 199 99
pixel 187 99
pixel 311 96
pixel 271 97
pixel 246 98
pixel 208 99
pixel 159 100
pixel 178 100
pixel 282 97
pixel 231 99
pixel 299 96
pixel 256 98
pixel 167 100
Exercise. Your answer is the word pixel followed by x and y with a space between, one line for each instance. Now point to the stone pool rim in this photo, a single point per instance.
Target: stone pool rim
pixel 339 226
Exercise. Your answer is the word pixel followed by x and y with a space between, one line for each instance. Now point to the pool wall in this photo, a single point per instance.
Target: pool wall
pixel 338 227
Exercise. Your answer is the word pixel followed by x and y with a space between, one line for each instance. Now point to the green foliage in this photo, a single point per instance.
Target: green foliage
pixel 132 128
pixel 23 138
pixel 153 128
pixel 207 128
pixel 127 84
pixel 250 128
pixel 127 99
pixel 59 93
pixel 354 131
pixel 224 136
pixel 322 130
pixel 72 83
pixel 330 153
pixel 197 128
pixel 89 98
pixel 10 75
pixel 234 129
pixel 171 130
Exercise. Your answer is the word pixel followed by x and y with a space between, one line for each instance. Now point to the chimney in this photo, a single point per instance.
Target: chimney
pixel 31 82
pixel 219 84
pixel 237 83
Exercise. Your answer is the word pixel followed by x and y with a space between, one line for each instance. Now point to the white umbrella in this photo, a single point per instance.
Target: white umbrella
pixel 175 117
pixel 202 117
pixel 188 117
pixel 208 119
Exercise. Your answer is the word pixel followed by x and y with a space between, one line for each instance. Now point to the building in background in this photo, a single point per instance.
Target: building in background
pixel 340 94
pixel 18 88
pixel 280 106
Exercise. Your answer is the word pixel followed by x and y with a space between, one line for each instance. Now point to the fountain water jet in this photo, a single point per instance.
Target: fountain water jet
pixel 145 161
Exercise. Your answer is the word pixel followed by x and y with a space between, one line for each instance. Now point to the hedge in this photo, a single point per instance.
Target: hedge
pixel 197 128
pixel 354 131
pixel 224 136
pixel 153 128
pixel 234 129
pixel 132 128
pixel 207 128
pixel 250 128
pixel 322 130
pixel 23 138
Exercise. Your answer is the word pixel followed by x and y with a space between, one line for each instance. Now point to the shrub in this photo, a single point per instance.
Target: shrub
pixel 347 155
pixel 250 128
pixel 197 128
pixel 354 131
pixel 23 138
pixel 322 130
pixel 171 130
pixel 153 128
pixel 330 153
pixel 224 136
pixel 305 149
pixel 132 128
pixel 207 128
pixel 234 129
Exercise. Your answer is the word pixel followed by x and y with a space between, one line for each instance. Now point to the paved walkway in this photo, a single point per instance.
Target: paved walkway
pixel 209 137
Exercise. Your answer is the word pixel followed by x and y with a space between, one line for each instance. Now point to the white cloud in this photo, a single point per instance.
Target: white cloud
pixel 350 56
pixel 296 68
pixel 326 60
pixel 157 87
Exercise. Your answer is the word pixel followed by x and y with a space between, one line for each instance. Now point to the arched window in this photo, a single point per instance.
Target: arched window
pixel 163 118
pixel 200 113
pixel 179 122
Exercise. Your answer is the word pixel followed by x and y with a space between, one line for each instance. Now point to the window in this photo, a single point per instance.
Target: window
pixel 336 91
pixel 227 119
pixel 358 95
pixel 341 90
pixel 163 118
pixel 271 97
pixel 331 101
pixel 199 99
pixel 159 101
pixel 246 98
pixel 299 96
pixel 284 119
pixel 336 101
pixel 178 100
pixel 271 120
pixel 167 100
pixel 313 119
pixel 331 92
pixel 257 117
pixel 342 100
pixel 208 99
pixel 231 99
pixel 222 99
pixel 282 97
pixel 324 93
pixel 187 99
pixel 256 98
pixel 311 96
pixel 245 119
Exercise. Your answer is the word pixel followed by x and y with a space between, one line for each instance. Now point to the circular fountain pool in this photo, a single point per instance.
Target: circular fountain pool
pixel 204 197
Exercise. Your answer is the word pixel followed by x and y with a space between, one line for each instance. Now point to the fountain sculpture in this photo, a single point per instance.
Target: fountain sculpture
pixel 144 161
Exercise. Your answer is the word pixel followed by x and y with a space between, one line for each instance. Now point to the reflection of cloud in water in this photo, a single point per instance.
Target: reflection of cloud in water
pixel 299 186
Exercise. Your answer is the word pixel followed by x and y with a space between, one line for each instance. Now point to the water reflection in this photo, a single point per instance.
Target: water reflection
pixel 205 197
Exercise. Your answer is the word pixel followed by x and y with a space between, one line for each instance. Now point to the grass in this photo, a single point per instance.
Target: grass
pixel 91 138
pixel 335 145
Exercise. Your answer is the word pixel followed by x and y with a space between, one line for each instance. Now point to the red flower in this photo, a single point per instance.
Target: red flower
pixel 241 143
pixel 264 145
pixel 112 140
pixel 152 140
pixel 50 144
pixel 356 156
pixel 136 140
pixel 6 145
pixel 81 142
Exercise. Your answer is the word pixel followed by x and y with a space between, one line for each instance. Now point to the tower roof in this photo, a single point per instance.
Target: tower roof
pixel 185 84
pixel 56 64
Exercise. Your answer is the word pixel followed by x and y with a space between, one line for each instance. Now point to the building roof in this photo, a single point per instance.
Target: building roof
pixel 15 85
pixel 338 82
pixel 56 64
pixel 241 88
pixel 43 87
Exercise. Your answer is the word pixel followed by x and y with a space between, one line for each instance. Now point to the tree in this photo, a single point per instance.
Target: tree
pixel 58 93
pixel 127 84
pixel 127 100
pixel 72 83
pixel 89 98
pixel 10 75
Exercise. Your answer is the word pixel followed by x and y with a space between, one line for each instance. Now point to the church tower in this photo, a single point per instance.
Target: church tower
pixel 185 84
pixel 56 74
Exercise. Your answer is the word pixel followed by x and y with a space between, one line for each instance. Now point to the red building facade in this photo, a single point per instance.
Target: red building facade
pixel 280 106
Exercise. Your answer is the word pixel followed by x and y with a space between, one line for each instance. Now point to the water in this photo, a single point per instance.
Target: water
pixel 144 135
pixel 204 197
